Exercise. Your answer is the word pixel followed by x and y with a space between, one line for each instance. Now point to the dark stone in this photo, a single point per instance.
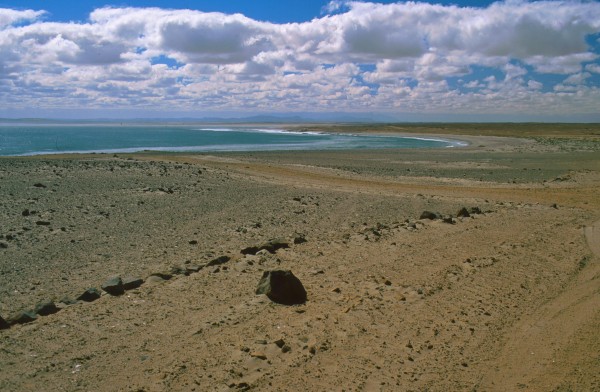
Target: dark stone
pixel 193 242
pixel 42 223
pixel 3 245
pixel 300 240
pixel 26 212
pixel 24 317
pixel 89 295
pixel 279 343
pixel 448 219
pixel 463 213
pixel 430 215
pixel 114 286
pixel 218 261
pixel 251 250
pixel 39 185
pixel 282 287
pixel 162 275
pixel 475 210
pixel 132 283
pixel 271 246
pixel 46 308
pixel 3 323
pixel 242 386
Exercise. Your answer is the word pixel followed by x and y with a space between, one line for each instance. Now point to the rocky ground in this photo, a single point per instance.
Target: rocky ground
pixel 505 298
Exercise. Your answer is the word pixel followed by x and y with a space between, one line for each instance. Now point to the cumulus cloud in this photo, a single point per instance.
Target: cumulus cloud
pixel 359 56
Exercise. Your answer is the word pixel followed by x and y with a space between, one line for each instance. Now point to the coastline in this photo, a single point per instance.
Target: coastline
pixel 461 295
pixel 128 139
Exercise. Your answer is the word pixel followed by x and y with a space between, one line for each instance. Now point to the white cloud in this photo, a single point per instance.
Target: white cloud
pixel 578 78
pixel 561 64
pixel 333 6
pixel 513 71
pixel 367 56
pixel 534 85
pixel 10 17
pixel 594 68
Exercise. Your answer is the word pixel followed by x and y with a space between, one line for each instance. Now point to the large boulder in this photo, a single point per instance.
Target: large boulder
pixel 282 287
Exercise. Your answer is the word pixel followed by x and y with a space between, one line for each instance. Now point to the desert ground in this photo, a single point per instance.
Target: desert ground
pixel 504 299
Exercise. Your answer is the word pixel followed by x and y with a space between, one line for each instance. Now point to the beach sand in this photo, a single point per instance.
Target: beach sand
pixel 505 299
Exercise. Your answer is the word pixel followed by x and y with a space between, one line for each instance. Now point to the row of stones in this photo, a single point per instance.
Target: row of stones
pixel 118 286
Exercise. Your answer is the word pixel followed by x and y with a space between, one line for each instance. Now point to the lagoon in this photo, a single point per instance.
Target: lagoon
pixel 34 139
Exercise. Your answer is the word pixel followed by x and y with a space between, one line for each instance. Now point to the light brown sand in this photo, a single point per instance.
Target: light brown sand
pixel 505 300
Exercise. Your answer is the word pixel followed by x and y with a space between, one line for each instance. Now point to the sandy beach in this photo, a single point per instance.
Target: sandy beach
pixel 503 297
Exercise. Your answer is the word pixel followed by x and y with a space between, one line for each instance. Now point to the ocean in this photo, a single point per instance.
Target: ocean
pixel 23 140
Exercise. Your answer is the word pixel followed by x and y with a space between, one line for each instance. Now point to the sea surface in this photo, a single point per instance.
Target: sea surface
pixel 20 140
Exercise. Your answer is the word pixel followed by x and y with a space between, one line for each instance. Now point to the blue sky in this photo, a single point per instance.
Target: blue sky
pixel 456 61
pixel 270 10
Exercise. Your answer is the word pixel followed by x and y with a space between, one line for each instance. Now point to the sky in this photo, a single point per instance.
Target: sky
pixel 403 61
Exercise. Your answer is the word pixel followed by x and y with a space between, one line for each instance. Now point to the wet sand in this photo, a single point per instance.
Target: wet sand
pixel 505 299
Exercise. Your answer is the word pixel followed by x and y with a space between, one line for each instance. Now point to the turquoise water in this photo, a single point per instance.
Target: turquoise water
pixel 56 139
